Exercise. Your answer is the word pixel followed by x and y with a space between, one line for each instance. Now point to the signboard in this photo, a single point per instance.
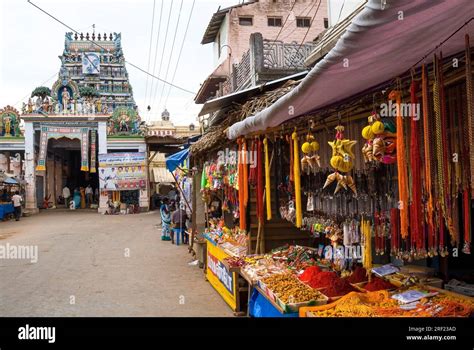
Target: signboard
pixel 223 281
pixel 122 171
pixel 90 63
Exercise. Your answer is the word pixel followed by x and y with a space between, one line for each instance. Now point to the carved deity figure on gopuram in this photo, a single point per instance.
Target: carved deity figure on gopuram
pixel 92 80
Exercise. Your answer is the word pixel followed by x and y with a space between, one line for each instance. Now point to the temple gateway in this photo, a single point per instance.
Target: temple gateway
pixel 84 130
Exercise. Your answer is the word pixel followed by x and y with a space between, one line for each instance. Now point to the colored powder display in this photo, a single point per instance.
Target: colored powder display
pixel 378 284
pixel 309 273
pixel 359 275
pixel 332 285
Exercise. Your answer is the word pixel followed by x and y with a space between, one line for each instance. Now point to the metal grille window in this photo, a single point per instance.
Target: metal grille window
pixel 245 21
pixel 303 22
pixel 274 21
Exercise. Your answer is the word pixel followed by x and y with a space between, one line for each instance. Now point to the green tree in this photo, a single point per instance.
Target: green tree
pixel 41 91
pixel 88 91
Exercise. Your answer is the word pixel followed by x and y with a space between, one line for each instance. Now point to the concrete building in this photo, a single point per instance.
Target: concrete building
pixel 256 42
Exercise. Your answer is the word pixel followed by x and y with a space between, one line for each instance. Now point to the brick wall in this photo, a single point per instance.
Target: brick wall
pixel 238 36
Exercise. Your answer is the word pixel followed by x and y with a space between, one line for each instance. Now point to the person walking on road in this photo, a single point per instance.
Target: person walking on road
pixel 17 200
pixel 66 196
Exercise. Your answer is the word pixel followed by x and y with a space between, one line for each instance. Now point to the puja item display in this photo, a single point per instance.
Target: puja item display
pixel 376 284
pixel 341 161
pixel 359 275
pixel 263 268
pixel 328 282
pixel 291 293
pixel 232 241
pixel 381 304
pixel 380 145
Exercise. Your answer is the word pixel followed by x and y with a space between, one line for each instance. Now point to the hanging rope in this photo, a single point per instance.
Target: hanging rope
pixel 242 211
pixel 268 194
pixel 470 111
pixel 427 160
pixel 259 181
pixel 416 218
pixel 401 166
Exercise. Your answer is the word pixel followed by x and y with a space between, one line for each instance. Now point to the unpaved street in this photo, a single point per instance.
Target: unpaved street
pixel 96 265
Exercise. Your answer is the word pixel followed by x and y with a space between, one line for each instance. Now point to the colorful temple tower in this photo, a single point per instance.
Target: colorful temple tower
pixel 87 115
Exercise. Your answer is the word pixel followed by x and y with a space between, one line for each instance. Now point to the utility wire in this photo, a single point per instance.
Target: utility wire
pixel 29 95
pixel 286 19
pixel 307 31
pixel 154 61
pixel 149 49
pixel 171 53
pixel 180 50
pixel 152 101
pixel 100 46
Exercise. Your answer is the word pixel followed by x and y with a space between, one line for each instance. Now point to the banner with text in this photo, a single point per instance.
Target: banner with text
pixel 122 171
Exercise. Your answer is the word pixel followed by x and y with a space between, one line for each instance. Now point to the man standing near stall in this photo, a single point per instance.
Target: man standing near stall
pixel 17 200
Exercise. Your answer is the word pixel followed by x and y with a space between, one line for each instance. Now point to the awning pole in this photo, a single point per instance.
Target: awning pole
pixel 182 193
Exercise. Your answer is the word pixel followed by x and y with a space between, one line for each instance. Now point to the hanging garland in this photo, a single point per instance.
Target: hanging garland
pixel 297 179
pixel 401 167
pixel 242 210
pixel 416 218
pixel 429 206
pixel 268 194
pixel 469 149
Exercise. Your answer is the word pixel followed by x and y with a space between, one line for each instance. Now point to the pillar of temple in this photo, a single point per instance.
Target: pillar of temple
pixel 31 205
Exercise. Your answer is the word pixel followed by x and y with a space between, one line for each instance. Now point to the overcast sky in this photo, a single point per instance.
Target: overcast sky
pixel 30 43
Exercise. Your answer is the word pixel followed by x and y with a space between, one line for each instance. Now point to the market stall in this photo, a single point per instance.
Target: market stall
pixel 7 187
pixel 373 175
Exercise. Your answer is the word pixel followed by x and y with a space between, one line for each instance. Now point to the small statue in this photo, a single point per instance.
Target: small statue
pixel 79 105
pixel 30 106
pixel 123 125
pixel 65 97
pixel 23 108
pixel 105 109
pixel 45 104
pixel 8 124
pixel 56 108
pixel 38 104
pixel 98 105
pixel 73 105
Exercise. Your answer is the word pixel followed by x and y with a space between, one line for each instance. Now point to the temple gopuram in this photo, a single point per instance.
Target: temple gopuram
pixel 83 130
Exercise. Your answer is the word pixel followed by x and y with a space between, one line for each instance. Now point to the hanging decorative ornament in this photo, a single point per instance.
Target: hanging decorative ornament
pixel 310 159
pixel 342 161
pixel 381 141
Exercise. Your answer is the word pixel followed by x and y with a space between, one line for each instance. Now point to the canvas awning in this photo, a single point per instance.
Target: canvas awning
pixel 175 160
pixel 383 41
pixel 162 175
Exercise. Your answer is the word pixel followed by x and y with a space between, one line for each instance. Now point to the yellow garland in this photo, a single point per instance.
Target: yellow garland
pixel 268 194
pixel 296 172
pixel 365 228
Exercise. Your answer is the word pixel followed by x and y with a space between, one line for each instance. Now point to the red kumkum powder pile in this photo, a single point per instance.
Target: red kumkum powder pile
pixel 378 284
pixel 332 285
pixel 359 275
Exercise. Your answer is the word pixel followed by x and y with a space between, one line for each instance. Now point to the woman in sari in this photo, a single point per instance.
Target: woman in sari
pixel 77 198
pixel 165 221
